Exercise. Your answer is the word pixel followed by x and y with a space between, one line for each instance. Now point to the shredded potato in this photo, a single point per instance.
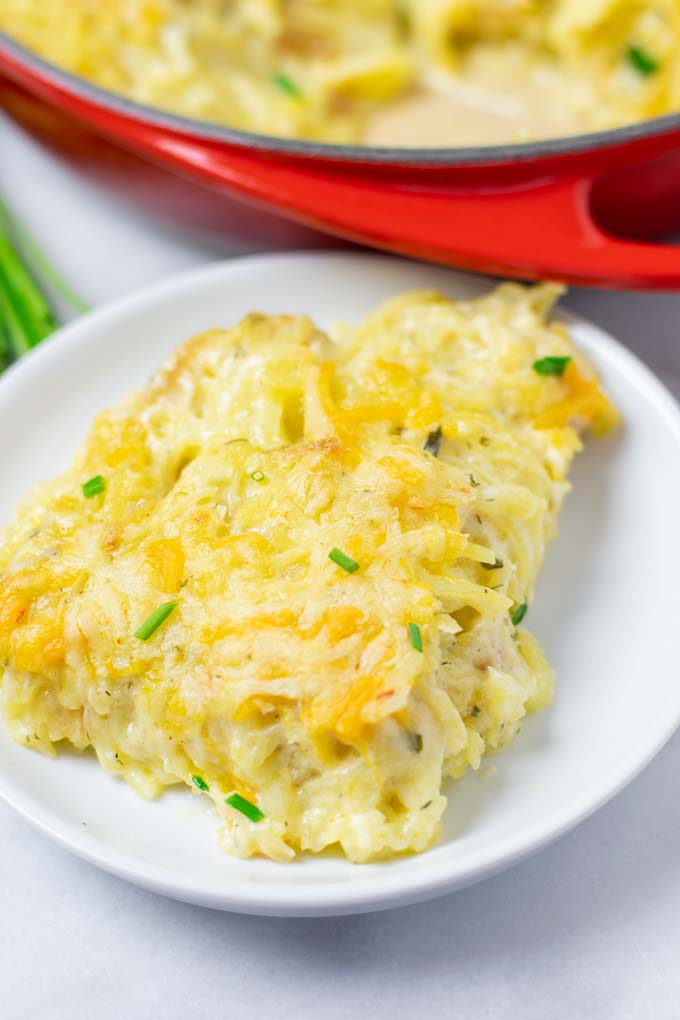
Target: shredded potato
pixel 321 68
pixel 423 449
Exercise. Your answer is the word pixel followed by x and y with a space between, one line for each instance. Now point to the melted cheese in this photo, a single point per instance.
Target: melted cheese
pixel 421 444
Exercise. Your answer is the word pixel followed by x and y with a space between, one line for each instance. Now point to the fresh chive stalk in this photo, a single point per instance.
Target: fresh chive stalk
pixel 200 782
pixel 5 351
pixel 11 226
pixel 26 317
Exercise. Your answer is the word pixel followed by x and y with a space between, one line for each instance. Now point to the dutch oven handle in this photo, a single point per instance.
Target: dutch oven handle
pixel 545 228
pixel 542 229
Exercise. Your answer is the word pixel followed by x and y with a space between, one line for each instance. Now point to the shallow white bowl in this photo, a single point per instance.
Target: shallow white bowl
pixel 606 608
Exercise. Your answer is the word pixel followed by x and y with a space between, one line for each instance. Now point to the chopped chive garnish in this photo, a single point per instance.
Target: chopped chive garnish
pixel 551 365
pixel 473 481
pixel 433 443
pixel 153 622
pixel 496 565
pixel 200 783
pixel 518 613
pixel 257 476
pixel 642 61
pixel 287 85
pixel 93 487
pixel 415 636
pixel 344 561
pixel 245 807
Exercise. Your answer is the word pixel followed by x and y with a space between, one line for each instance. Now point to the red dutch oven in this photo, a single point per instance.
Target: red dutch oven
pixel 581 209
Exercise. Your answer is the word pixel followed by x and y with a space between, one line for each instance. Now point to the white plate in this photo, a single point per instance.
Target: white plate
pixel 606 608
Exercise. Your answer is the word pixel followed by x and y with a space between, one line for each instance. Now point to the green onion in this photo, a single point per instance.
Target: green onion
pixel 200 783
pixel 551 365
pixel 473 481
pixel 433 443
pixel 257 476
pixel 518 613
pixel 415 636
pixel 344 561
pixel 93 487
pixel 153 622
pixel 245 807
pixel 287 85
pixel 642 61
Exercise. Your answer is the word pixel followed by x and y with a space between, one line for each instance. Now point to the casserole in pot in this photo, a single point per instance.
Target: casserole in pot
pixel 329 76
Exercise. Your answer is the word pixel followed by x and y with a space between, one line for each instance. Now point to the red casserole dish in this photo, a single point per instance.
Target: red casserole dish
pixel 579 209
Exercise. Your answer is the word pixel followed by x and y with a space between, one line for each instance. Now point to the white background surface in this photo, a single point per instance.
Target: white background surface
pixel 588 928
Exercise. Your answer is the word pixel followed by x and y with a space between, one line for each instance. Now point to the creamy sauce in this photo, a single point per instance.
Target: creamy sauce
pixel 480 108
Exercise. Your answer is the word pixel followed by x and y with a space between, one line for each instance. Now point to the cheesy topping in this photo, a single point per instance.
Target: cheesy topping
pixel 393 72
pixel 296 586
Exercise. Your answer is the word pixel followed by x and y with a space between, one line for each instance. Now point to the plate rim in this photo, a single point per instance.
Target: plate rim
pixel 391 888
